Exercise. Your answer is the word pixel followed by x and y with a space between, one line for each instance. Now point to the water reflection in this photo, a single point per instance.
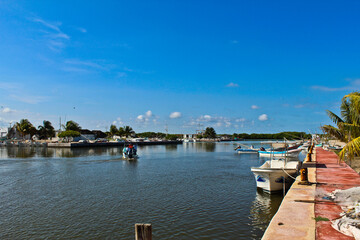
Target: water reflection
pixel 207 147
pixel 263 208
pixel 43 152
pixel 171 147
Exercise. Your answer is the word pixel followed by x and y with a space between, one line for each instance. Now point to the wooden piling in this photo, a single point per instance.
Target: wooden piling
pixel 143 231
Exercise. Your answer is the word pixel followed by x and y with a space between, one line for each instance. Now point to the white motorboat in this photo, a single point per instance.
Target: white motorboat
pixel 241 150
pixel 246 149
pixel 274 175
pixel 294 153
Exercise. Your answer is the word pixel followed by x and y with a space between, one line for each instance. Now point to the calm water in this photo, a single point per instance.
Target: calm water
pixel 186 191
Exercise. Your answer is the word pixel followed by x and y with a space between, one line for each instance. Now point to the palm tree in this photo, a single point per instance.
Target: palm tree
pixel 25 127
pixel 127 131
pixel 348 127
pixel 113 130
pixel 46 130
pixel 71 125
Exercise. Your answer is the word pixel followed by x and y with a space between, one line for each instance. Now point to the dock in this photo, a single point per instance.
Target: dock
pixel 304 213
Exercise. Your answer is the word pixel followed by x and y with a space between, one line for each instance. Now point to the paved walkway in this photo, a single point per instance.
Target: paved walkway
pixel 330 175
pixel 302 203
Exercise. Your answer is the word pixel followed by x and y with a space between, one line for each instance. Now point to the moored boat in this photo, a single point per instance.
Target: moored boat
pixel 241 150
pixel 274 175
pixel 281 154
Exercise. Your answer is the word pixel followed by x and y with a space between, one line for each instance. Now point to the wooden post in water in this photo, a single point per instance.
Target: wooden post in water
pixel 143 231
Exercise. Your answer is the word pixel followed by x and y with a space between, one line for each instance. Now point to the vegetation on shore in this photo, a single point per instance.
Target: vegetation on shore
pixel 347 126
pixel 73 129
pixel 278 136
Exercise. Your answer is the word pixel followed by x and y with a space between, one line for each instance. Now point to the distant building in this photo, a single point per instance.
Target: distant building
pixel 86 134
pixel 4 132
pixel 99 134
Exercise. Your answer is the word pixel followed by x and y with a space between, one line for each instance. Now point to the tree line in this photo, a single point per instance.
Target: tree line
pixel 278 136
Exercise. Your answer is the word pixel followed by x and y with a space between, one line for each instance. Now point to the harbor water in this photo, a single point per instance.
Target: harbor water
pixel 186 191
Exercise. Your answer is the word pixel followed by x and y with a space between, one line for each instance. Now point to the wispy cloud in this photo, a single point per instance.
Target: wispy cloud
pixel 84 63
pixel 255 107
pixel 29 99
pixel 75 70
pixel 234 41
pixel 354 84
pixel 9 85
pixel 55 36
pixel 83 30
pixel 232 85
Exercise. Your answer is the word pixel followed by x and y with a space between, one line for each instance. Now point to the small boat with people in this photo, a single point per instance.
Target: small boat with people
pixel 130 152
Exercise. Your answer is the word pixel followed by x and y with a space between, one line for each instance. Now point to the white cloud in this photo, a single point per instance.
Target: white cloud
pixel 7 110
pixel 255 107
pixel 175 115
pixel 233 85
pixel 140 117
pixel 240 120
pixel 114 122
pixel 263 117
pixel 148 114
pixel 207 117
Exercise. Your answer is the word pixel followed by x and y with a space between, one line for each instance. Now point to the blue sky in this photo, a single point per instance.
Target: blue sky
pixel 238 66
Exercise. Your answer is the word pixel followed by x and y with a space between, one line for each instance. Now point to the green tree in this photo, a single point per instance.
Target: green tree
pixel 210 132
pixel 69 133
pixel 25 127
pixel 127 131
pixel 113 130
pixel 46 130
pixel 348 127
pixel 71 125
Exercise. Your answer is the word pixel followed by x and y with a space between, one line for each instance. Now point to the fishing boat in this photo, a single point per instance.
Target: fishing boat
pixel 294 153
pixel 247 149
pixel 275 175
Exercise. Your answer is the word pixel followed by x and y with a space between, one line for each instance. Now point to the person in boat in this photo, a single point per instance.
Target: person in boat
pixel 125 152
pixel 262 149
pixel 135 150
pixel 238 147
pixel 131 151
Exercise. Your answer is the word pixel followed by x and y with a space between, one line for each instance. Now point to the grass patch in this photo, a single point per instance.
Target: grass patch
pixel 318 219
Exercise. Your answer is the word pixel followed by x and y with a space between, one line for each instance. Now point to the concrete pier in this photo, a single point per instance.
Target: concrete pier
pixel 303 204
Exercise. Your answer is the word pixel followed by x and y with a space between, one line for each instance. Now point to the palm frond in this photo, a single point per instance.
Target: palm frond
pixel 335 118
pixel 333 131
pixel 351 149
pixel 353 100
pixel 352 130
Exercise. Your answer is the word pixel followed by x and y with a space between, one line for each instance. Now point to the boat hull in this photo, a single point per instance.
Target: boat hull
pixel 241 151
pixel 272 180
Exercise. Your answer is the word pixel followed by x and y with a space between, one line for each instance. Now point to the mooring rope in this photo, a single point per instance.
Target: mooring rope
pixel 288 174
